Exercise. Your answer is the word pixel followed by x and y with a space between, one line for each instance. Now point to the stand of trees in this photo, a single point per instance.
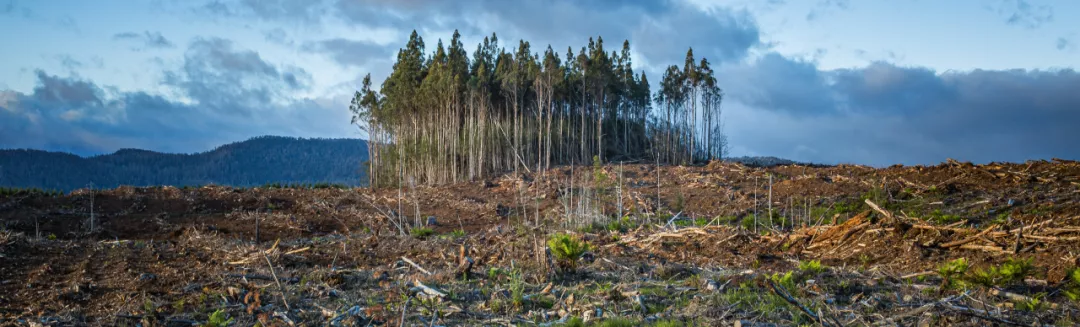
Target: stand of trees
pixel 445 116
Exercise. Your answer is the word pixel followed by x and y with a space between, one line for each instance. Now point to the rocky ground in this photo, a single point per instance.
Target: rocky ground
pixel 710 245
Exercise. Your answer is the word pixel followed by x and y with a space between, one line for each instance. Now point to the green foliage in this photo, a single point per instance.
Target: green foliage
pixel 421 232
pixel 876 194
pixel 952 273
pixel 1035 303
pixel 599 176
pixel 1001 218
pixel 567 249
pixel 621 225
pixel 517 288
pixel 941 218
pixel 178 305
pixel 218 319
pixel 494 273
pixel 1011 271
pixel 787 280
pixel 574 322
pixel 615 322
pixel 149 308
pixel 1072 284
pixel 748 222
pixel 747 297
pixel 725 220
pixel 812 267
pixel 700 221
pixel 669 323
pixel 458 233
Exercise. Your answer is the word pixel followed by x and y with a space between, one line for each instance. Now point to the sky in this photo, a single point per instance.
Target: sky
pixel 875 82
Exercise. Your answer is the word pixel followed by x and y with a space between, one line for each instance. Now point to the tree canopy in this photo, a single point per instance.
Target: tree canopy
pixel 444 116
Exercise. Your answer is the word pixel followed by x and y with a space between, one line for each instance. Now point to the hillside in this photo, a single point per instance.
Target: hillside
pixel 257 161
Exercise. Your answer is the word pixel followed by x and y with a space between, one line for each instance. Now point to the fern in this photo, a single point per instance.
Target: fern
pixel 567 249
pixel 218 319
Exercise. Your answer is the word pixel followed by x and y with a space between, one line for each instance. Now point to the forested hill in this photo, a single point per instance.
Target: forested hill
pixel 258 161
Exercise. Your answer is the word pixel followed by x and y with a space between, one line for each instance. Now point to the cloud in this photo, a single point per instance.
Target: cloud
pixel 351 52
pixel 1023 13
pixel 223 94
pixel 1065 43
pixel 306 12
pixel 8 7
pixel 152 40
pixel 722 34
pixel 884 114
pixel 823 7
pixel 279 36
pixel 69 63
pixel 218 76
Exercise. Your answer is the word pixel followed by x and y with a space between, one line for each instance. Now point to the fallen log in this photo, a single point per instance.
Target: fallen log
pixel 416 265
pixel 1019 297
pixel 428 289
pixel 986 248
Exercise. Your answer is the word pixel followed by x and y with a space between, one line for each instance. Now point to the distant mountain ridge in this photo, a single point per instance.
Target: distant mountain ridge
pixel 257 161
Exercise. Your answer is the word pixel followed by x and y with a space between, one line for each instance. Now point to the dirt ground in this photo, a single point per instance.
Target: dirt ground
pixel 710 245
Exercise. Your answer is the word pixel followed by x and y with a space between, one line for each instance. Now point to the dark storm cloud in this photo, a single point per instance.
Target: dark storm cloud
pixel 668 27
pixel 660 30
pixel 884 114
pixel 147 39
pixel 230 94
pixel 220 77
pixel 774 82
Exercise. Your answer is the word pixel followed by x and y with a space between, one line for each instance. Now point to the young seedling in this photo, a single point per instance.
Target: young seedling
pixel 567 249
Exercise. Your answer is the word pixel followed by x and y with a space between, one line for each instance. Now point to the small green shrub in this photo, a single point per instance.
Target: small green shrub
pixel 941 218
pixel 669 323
pixel 748 222
pixel 1072 284
pixel 952 273
pixel 218 319
pixel 787 280
pixel 458 233
pixel 615 322
pixel 574 322
pixel 517 288
pixel 699 222
pixel 422 232
pixel 1011 271
pixel 812 267
pixel 621 225
pixel 1035 303
pixel 567 249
